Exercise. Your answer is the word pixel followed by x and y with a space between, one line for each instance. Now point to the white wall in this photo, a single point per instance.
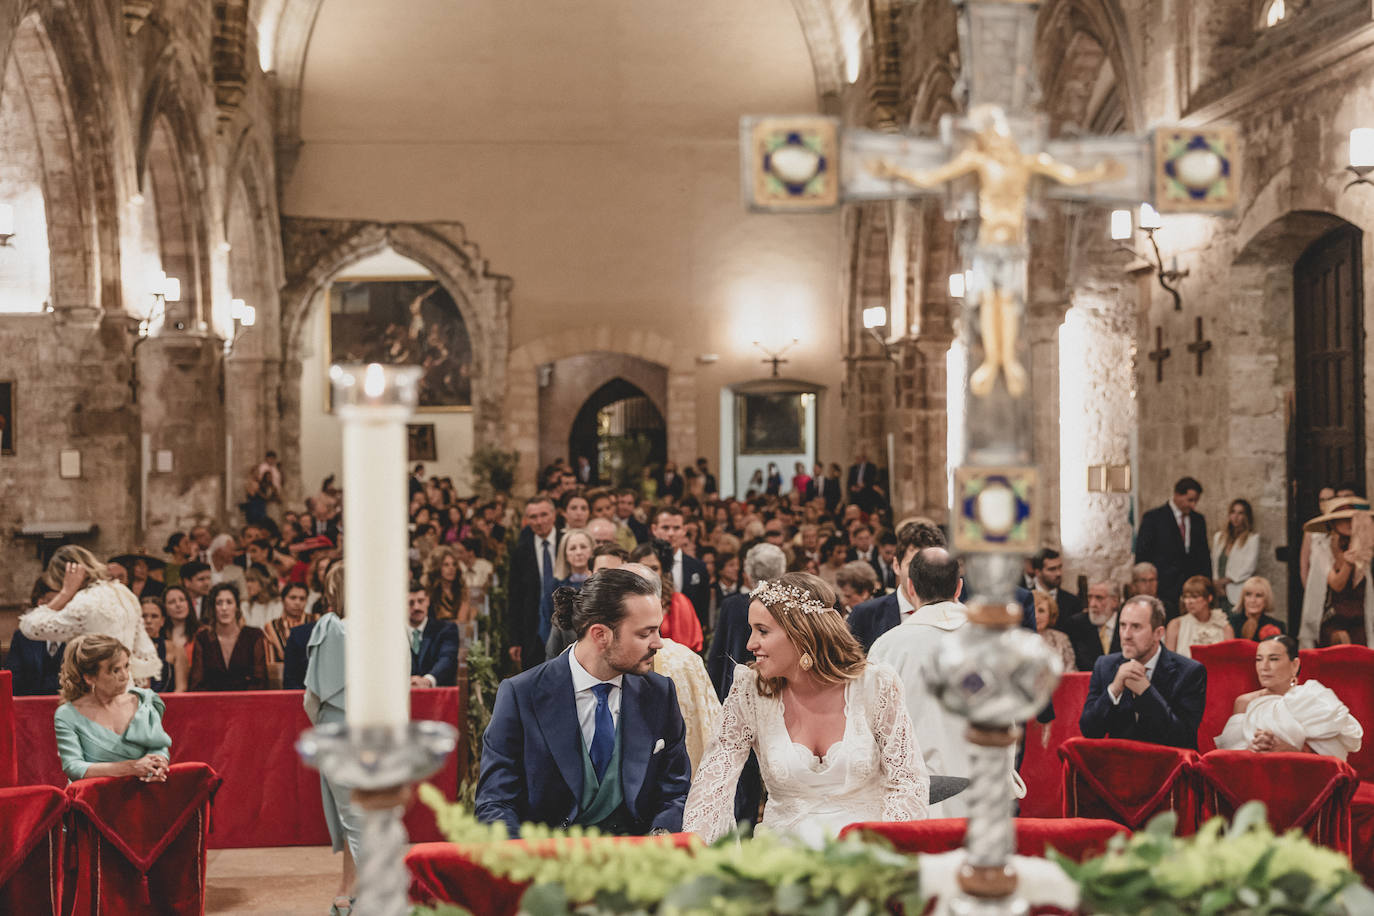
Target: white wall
pixel 321 433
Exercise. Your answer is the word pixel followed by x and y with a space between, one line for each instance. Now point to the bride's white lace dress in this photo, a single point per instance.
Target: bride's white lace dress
pixel 874 773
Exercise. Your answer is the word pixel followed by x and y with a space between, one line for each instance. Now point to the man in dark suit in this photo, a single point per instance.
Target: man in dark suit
pixel 704 468
pixel 873 618
pixel 35 665
pixel 530 589
pixel 1173 537
pixel 670 482
pixel 689 573
pixel 1094 632
pixel 296 656
pixel 1145 692
pixel 433 644
pixel 625 515
pixel 592 737
pixel 886 566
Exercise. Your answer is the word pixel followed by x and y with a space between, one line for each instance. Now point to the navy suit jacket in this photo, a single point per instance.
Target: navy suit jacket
pixel 873 618
pixel 1169 712
pixel 1161 543
pixel 438 655
pixel 35 671
pixel 696 585
pixel 532 752
pixel 728 644
pixel 296 656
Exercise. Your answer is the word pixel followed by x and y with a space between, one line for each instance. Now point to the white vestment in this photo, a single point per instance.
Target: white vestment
pixel 939 732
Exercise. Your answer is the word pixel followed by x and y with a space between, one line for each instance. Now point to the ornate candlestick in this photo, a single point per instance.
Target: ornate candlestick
pixel 995 674
pixel 378 753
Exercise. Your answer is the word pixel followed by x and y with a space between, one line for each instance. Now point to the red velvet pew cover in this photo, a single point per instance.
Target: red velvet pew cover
pixel 1077 838
pixel 9 766
pixel 1129 782
pixel 31 850
pixel 137 847
pixel 1349 671
pixel 1300 790
pixel 1230 672
pixel 269 797
pixel 1040 767
pixel 443 873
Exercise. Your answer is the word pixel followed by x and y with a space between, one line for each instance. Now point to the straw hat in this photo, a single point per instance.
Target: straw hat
pixel 1335 510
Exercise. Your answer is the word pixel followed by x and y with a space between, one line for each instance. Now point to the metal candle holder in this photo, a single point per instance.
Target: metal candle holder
pixel 379 760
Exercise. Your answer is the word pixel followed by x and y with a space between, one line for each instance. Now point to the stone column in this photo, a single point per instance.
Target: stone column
pixel 920 480
pixel 1042 330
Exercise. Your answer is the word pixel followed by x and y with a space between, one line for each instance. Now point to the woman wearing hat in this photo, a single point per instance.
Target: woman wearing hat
pixel 1343 612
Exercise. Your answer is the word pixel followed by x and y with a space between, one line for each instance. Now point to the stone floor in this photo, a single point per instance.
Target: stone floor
pixel 282 881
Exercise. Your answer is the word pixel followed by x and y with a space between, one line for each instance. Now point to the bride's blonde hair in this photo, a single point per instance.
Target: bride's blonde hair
pixel 814 627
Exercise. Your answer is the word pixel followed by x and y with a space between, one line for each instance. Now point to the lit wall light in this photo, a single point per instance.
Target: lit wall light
pixel 958 285
pixel 853 53
pixel 875 317
pixel 1122 226
pixel 1148 222
pixel 171 289
pixel 956 364
pixel 1361 156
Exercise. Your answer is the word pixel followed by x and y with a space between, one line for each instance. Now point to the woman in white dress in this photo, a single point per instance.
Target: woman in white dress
pixel 89 601
pixel 831 731
pixel 1284 715
pixel 1201 623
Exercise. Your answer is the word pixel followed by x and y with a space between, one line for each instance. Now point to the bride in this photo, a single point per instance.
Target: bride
pixel 831 731
pixel 1284 715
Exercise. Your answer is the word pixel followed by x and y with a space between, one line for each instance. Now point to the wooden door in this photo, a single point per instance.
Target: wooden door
pixel 1328 411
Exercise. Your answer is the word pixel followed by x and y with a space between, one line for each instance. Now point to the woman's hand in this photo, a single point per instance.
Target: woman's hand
pixel 1266 742
pixel 73 579
pixel 150 768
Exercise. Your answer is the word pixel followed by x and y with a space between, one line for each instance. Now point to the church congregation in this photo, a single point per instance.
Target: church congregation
pixel 943 421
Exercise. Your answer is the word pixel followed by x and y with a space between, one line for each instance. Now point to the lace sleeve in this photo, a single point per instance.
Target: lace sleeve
pixel 710 810
pixel 143 661
pixel 43 623
pixel 906 784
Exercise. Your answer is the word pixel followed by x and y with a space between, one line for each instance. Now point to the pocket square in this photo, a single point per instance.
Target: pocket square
pixel 658 746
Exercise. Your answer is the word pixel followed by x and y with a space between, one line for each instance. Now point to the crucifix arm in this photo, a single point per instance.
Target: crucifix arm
pixel 960 165
pixel 1107 170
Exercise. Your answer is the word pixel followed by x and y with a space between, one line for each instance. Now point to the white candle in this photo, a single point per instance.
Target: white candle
pixel 374 403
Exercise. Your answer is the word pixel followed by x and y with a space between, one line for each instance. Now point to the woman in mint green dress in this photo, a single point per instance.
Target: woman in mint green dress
pixel 106 727
pixel 324 703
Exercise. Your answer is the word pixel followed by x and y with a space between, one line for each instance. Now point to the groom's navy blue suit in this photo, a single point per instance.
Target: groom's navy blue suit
pixel 532 752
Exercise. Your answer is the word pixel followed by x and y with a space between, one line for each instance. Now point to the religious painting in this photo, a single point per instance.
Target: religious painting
pixel 420 441
pixel 7 418
pixel 996 510
pixel 404 322
pixel 772 424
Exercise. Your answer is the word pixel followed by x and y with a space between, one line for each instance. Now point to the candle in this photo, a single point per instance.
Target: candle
pixel 374 402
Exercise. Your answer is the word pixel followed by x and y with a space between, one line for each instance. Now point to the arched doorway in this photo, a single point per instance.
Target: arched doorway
pixel 620 431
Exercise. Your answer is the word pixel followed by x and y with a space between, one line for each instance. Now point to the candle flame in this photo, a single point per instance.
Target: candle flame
pixel 374 382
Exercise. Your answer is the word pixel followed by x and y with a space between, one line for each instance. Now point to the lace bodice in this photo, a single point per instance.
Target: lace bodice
pixel 874 772
pixel 106 608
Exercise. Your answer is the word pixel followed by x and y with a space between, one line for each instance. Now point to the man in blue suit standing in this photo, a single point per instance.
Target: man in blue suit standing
pixel 593 736
pixel 1145 692
pixel 433 644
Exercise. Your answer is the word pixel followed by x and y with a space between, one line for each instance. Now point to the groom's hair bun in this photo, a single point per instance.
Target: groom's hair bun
pixel 601 600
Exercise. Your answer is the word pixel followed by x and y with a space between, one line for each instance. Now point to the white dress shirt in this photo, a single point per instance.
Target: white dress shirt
pixel 583 682
pixel 1149 672
pixel 677 571
pixel 904 603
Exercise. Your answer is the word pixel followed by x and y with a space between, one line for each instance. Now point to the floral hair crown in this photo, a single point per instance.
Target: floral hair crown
pixel 775 594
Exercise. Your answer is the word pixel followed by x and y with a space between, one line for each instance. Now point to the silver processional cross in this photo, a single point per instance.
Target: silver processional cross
pixel 991 164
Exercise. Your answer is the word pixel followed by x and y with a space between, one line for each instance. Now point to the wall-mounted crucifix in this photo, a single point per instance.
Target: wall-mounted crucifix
pixel 1199 347
pixel 775 356
pixel 1159 354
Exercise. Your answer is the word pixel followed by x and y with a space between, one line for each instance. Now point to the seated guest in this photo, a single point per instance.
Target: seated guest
pixel 433 644
pixel 856 582
pixel 182 550
pixel 261 604
pixel 1094 633
pixel 179 633
pixel 89 601
pixel 1145 692
pixel 1145 579
pixel 293 614
pixel 155 621
pixel 541 765
pixel 1284 715
pixel 196 579
pixel 1201 623
pixel 444 580
pixel 873 618
pixel 35 666
pixel 573 565
pixel 105 727
pixel 229 655
pixel 1046 615
pixel 680 621
pixel 1255 612
pixel 834 555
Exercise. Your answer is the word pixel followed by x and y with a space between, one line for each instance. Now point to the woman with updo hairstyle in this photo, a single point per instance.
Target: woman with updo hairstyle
pixel 104 726
pixel 1284 715
pixel 88 600
pixel 834 741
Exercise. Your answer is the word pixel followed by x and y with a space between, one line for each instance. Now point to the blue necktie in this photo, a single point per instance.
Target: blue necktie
pixel 546 595
pixel 603 739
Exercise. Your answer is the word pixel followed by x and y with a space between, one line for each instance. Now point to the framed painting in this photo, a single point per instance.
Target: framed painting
pixel 421 445
pixel 403 321
pixel 771 424
pixel 7 417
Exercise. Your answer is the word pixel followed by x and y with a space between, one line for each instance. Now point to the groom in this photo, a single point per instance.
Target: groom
pixel 592 736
